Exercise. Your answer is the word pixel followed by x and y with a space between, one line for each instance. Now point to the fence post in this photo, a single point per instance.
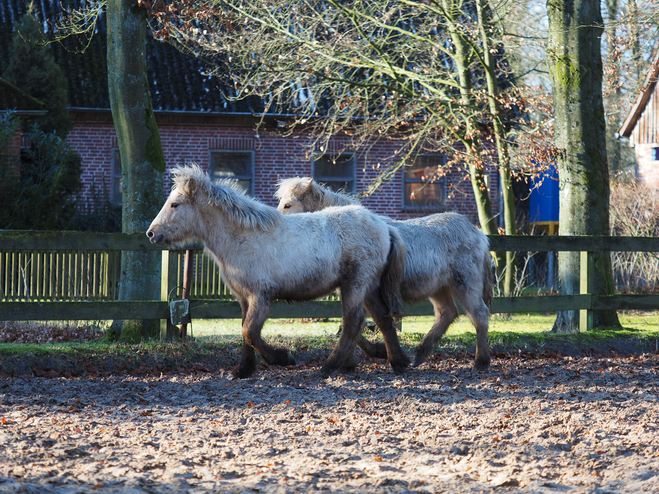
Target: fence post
pixel 188 269
pixel 587 267
pixel 168 282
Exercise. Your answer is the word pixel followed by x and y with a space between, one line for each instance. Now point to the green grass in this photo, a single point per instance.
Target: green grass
pixel 504 330
pixel 515 331
pixel 79 348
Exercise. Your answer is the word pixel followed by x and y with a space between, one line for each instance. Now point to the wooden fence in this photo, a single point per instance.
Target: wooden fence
pixel 74 276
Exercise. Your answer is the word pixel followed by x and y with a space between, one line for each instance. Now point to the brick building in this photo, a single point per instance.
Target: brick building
pixel 198 124
pixel 641 127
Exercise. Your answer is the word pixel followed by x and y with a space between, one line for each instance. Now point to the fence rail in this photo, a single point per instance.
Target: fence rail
pixel 84 286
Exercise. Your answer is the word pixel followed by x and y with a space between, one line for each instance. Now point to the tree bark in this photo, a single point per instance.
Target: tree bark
pixel 142 159
pixel 575 66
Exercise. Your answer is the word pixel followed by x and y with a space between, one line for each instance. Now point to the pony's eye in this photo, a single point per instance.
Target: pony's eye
pixel 174 205
pixel 287 206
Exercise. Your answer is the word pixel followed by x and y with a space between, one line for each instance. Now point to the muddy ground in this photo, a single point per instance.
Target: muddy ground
pixel 552 424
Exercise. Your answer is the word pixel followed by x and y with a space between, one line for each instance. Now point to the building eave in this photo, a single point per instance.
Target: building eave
pixel 25 113
pixel 641 100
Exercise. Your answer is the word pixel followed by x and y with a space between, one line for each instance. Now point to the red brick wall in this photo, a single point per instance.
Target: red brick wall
pixel 276 157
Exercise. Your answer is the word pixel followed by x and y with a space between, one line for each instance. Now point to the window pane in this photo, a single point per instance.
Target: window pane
pixel 423 167
pixel 422 187
pixel 234 165
pixel 424 194
pixel 228 165
pixel 334 165
pixel 345 186
pixel 246 185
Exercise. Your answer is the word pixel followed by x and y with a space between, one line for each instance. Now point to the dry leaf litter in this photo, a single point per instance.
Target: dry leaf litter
pixel 545 425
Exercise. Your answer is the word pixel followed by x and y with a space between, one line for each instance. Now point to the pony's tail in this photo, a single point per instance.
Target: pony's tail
pixel 393 273
pixel 488 278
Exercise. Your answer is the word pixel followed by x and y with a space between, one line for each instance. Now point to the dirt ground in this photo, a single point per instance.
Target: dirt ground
pixel 555 424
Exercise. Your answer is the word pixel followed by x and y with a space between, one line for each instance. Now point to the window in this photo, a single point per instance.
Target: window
pixel 115 184
pixel 421 188
pixel 655 154
pixel 236 165
pixel 337 171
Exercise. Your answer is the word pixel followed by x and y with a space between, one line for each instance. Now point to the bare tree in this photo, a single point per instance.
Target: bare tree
pixel 431 75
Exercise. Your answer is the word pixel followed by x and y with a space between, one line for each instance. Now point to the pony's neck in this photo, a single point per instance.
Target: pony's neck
pixel 216 231
pixel 329 198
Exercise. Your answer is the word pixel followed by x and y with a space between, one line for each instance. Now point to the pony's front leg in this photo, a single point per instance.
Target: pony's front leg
pixel 257 313
pixel 247 364
pixel 353 322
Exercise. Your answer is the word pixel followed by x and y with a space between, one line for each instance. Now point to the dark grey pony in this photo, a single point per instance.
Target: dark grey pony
pixel 448 259
pixel 264 255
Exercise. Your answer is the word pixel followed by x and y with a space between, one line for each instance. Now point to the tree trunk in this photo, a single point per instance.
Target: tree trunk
pixel 614 99
pixel 503 154
pixel 461 59
pixel 142 159
pixel 575 66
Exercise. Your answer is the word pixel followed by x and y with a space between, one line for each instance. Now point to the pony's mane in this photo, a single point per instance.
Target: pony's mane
pixel 305 187
pixel 228 195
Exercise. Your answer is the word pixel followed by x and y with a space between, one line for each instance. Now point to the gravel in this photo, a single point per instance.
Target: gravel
pixel 561 424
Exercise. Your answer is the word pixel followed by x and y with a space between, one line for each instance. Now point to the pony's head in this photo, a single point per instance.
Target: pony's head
pixel 305 195
pixel 193 196
pixel 293 193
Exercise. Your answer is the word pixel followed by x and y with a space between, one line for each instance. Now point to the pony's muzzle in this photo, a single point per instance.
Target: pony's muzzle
pixel 155 239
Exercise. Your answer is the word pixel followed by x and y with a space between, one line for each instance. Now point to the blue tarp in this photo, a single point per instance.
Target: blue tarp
pixel 544 197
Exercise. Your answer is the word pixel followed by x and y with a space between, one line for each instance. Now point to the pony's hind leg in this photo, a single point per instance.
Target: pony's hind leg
pixel 479 314
pixel 380 313
pixel 373 350
pixel 445 314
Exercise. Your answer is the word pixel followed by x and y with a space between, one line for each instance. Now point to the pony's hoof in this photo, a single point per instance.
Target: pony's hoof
pixel 348 369
pixel 400 367
pixel 482 364
pixel 418 361
pixel 239 373
pixel 322 374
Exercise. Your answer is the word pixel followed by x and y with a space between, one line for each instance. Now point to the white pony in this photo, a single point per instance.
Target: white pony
pixel 447 258
pixel 264 255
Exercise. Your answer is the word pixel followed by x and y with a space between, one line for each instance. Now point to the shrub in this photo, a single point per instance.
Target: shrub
pixel 96 213
pixel 47 186
pixel 9 171
pixel 634 210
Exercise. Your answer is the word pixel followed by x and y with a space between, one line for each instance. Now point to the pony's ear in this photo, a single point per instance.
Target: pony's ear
pixel 311 188
pixel 189 186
